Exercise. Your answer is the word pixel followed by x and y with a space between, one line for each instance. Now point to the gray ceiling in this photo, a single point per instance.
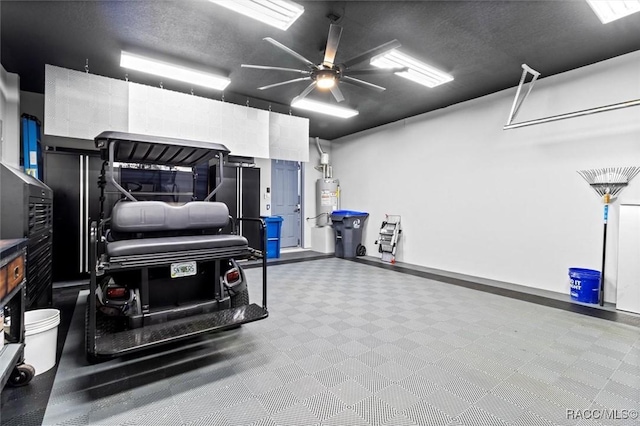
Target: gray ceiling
pixel 481 43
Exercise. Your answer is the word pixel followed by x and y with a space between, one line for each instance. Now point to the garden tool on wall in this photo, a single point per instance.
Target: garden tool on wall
pixel 608 183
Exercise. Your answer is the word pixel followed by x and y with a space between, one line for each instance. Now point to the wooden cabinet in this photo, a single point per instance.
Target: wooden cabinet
pixel 3 282
pixel 15 272
pixel 11 274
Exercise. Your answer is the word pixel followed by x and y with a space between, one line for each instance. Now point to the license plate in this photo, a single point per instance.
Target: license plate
pixel 184 269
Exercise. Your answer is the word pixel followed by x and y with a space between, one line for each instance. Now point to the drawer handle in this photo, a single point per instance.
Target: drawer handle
pixel 16 272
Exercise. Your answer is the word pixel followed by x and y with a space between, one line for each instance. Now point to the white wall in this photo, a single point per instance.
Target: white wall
pixel 504 205
pixel 10 116
pixel 311 175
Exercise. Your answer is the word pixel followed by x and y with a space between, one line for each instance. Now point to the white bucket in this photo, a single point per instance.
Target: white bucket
pixel 41 338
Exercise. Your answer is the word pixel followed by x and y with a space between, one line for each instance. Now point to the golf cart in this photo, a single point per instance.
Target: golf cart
pixel 164 271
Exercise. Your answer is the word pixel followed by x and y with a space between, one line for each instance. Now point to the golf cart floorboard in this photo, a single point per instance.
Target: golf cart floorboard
pixel 110 344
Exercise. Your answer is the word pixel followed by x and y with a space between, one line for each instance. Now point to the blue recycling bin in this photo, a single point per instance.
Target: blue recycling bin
pixel 274 231
pixel 347 227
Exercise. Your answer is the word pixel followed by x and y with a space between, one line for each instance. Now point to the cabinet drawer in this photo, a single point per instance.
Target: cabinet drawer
pixel 3 281
pixel 15 272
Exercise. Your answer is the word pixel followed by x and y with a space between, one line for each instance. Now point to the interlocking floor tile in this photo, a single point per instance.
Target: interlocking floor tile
pixel 475 416
pixel 350 392
pixel 499 408
pixel 305 387
pixel 418 385
pixel 447 402
pixel 353 367
pixel 296 415
pixel 245 413
pixel 347 417
pixel 398 397
pixel 374 410
pixel 277 399
pixel 466 390
pixel 424 413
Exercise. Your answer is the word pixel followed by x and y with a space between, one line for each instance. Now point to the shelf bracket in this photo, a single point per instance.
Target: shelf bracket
pixel 517 103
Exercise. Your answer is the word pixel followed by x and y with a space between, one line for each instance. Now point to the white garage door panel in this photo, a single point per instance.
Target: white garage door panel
pixel 628 293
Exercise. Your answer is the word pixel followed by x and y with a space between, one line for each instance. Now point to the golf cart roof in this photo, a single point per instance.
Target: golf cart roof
pixel 145 149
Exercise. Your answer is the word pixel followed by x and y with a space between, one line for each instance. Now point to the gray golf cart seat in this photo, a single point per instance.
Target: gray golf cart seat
pixel 142 229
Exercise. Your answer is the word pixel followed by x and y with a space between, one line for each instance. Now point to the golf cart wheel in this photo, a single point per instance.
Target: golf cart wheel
pixel 21 375
pixel 240 299
pixel 361 250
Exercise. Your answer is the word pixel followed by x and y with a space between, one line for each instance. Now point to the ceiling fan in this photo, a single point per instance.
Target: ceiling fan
pixel 328 74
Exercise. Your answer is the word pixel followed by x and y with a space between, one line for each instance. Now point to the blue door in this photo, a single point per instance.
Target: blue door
pixel 285 199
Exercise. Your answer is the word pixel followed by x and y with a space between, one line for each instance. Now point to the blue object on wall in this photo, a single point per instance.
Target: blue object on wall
pixel 31 152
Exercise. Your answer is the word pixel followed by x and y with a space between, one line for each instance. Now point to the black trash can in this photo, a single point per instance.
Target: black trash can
pixel 347 228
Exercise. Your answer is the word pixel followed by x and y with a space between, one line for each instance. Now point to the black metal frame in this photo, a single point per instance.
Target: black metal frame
pixel 137 148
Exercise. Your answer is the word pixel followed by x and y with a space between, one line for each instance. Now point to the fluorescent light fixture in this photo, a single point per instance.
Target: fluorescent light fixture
pixel 418 72
pixel 277 13
pixel 608 11
pixel 174 72
pixel 323 108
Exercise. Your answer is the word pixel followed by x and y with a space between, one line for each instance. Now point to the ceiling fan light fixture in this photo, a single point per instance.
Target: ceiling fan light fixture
pixel 323 108
pixel 277 13
pixel 171 71
pixel 418 72
pixel 326 82
pixel 608 11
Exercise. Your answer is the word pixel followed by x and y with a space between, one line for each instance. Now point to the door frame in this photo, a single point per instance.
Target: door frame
pixel 301 194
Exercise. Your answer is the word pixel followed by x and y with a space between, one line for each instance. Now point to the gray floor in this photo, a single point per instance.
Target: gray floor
pixel 351 344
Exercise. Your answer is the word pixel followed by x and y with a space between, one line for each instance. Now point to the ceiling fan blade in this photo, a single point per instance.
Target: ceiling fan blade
pixel 282 83
pixel 377 71
pixel 291 52
pixel 266 67
pixel 335 31
pixel 371 53
pixel 306 91
pixel 360 83
pixel 337 93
